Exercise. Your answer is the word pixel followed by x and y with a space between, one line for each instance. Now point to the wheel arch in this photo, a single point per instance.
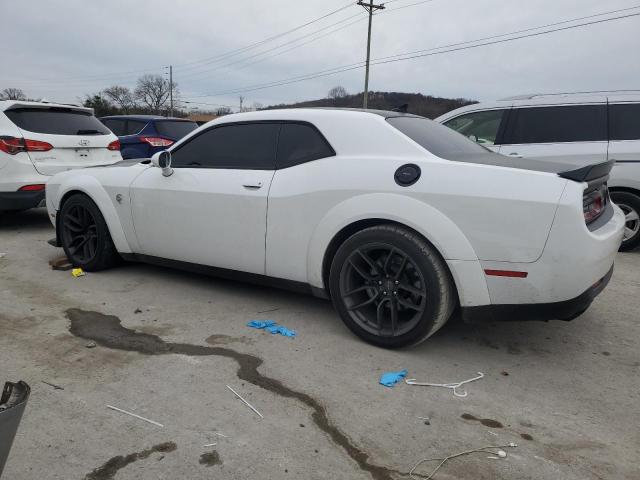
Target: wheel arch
pixel 93 190
pixel 416 216
pixel 631 190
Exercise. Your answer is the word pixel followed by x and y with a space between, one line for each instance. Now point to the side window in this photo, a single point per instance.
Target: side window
pixel 624 121
pixel 250 146
pixel 300 143
pixel 116 126
pixel 135 126
pixel 579 123
pixel 481 127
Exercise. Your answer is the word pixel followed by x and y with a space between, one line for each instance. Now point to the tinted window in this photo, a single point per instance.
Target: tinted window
pixel 481 127
pixel 248 146
pixel 580 123
pixel 436 138
pixel 135 126
pixel 299 144
pixel 56 121
pixel 624 121
pixel 116 126
pixel 174 128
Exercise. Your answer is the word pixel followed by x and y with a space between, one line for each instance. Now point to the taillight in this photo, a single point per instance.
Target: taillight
pixel 157 141
pixel 594 204
pixel 13 145
pixel 32 188
pixel 115 145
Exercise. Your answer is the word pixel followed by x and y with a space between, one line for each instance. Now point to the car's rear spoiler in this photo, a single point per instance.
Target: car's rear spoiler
pixel 589 173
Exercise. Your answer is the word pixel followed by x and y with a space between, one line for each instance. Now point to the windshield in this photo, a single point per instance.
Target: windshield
pixel 175 129
pixel 56 121
pixel 436 138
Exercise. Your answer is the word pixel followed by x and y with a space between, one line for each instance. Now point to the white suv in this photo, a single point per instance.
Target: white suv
pixel 39 139
pixel 573 128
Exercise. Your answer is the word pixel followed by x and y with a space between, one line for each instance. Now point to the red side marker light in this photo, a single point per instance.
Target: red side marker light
pixel 32 188
pixel 506 273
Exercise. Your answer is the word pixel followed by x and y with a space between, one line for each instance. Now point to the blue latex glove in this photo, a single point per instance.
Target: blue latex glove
pixel 259 324
pixel 389 379
pixel 284 331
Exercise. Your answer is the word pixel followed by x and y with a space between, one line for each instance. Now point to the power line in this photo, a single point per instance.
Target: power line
pixel 359 14
pixel 226 54
pixel 430 52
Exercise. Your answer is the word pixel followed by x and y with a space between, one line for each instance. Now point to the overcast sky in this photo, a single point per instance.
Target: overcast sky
pixel 63 49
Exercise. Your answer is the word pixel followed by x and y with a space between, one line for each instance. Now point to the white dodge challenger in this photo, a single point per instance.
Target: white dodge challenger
pixel 398 220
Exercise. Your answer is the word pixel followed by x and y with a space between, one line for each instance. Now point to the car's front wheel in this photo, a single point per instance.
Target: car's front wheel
pixel 85 236
pixel 391 287
pixel 630 205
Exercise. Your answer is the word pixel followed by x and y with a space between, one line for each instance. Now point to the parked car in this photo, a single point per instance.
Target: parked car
pixel 143 135
pixel 39 139
pixel 399 220
pixel 570 128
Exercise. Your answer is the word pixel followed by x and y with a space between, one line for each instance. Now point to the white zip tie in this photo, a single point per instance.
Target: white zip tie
pixel 452 386
pixel 445 459
pixel 220 435
pixel 134 415
pixel 245 402
pixel 209 445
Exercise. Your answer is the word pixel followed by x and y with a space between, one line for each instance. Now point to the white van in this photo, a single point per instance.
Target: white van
pixel 571 128
pixel 40 139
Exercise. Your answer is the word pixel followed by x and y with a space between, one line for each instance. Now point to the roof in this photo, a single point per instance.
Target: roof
pixel 6 104
pixel 595 93
pixel 304 113
pixel 144 117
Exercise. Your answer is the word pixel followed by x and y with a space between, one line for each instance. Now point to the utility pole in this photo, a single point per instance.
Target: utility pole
pixel 171 88
pixel 241 100
pixel 370 8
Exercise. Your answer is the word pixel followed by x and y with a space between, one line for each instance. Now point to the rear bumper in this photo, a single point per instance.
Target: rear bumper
pixel 21 200
pixel 565 310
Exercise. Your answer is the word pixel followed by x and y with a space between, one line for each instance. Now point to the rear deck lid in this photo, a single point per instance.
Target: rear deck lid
pixel 76 135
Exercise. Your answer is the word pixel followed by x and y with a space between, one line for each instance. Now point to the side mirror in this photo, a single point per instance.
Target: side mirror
pixel 163 160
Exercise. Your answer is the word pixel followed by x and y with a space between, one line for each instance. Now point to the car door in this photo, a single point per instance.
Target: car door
pixel 624 143
pixel 574 134
pixel 212 210
pixel 481 126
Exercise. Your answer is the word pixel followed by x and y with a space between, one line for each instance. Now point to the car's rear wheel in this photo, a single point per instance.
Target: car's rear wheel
pixel 85 236
pixel 630 205
pixel 390 287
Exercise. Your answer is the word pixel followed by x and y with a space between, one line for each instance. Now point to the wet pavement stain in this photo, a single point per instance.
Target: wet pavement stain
pixel 487 422
pixel 225 339
pixel 107 331
pixel 109 470
pixel 210 459
pixel 526 436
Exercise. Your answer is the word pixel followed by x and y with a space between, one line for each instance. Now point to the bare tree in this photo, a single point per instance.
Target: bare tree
pixel 12 94
pixel 257 106
pixel 337 92
pixel 153 92
pixel 223 111
pixel 122 96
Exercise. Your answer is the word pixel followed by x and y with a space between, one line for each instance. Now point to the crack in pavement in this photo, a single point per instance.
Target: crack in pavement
pixel 107 331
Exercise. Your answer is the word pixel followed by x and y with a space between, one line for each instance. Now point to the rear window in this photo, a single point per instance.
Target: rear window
pixel 56 121
pixel 579 123
pixel 436 138
pixel 175 129
pixel 624 121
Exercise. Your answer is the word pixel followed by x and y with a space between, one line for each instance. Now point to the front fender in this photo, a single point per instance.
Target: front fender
pixel 437 228
pixel 91 187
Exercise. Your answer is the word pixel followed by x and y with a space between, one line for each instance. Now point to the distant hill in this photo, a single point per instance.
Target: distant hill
pixel 425 105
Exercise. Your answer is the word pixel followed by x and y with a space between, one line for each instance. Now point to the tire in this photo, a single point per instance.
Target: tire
pixel 85 236
pixel 630 205
pixel 385 269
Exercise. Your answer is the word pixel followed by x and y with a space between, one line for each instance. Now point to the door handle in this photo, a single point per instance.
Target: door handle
pixel 515 154
pixel 254 185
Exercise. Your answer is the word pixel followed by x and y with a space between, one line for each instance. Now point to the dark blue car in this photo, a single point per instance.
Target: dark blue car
pixel 143 135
